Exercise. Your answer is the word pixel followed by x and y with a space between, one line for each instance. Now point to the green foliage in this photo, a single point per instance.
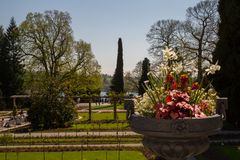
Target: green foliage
pixel 117 81
pixel 100 126
pixel 108 107
pixel 220 153
pixel 51 111
pixel 1 54
pixel 102 116
pixel 130 83
pixel 58 68
pixel 87 155
pixel 106 82
pixel 144 77
pixel 5 139
pixel 54 53
pixel 86 85
pixel 11 67
pixel 227 53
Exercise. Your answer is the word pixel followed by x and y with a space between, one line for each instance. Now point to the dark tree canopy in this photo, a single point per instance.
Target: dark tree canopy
pixel 1 54
pixel 117 81
pixel 11 67
pixel 227 53
pixel 144 77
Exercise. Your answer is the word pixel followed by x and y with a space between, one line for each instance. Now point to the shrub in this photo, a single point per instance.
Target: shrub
pixel 5 139
pixel 51 112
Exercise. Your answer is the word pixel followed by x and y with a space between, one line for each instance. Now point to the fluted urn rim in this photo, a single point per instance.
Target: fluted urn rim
pixel 182 128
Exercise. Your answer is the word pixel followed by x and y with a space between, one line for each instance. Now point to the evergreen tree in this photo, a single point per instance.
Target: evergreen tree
pixel 1 54
pixel 11 69
pixel 117 81
pixel 144 76
pixel 227 53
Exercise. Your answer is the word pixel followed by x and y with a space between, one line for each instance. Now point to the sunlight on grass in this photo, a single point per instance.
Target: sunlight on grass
pixel 108 107
pixel 102 116
pixel 101 126
pixel 86 155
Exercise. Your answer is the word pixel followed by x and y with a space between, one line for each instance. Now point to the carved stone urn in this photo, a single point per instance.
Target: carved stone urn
pixel 178 139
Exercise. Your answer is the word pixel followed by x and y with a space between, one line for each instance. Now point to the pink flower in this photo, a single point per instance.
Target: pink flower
pixel 174 94
pixel 198 113
pixel 179 96
pixel 174 115
pixel 185 105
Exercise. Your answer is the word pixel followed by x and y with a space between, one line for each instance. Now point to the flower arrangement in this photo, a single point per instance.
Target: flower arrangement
pixel 173 94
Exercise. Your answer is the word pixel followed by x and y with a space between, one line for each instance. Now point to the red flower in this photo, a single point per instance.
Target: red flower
pixel 184 80
pixel 169 78
pixel 195 86
pixel 174 85
pixel 168 99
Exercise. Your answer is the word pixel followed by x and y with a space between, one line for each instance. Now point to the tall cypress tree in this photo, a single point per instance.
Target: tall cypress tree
pixel 11 69
pixel 227 53
pixel 117 81
pixel 144 76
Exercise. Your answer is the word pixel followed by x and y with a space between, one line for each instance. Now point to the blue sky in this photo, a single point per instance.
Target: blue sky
pixel 102 22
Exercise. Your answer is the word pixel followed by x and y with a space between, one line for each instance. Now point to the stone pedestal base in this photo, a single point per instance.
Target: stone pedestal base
pixel 178 139
pixel 176 148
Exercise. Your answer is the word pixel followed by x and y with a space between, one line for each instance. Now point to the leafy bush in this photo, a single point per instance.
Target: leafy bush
pixel 50 111
pixel 5 139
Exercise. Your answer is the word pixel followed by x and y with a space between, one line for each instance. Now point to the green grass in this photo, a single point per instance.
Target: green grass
pixel 102 116
pixel 74 140
pixel 221 153
pixel 92 127
pixel 96 126
pixel 101 126
pixel 108 107
pixel 86 155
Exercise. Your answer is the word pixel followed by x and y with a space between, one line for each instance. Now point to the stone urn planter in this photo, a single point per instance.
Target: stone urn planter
pixel 177 139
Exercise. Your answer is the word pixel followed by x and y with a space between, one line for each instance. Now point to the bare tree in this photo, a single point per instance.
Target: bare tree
pixel 162 34
pixel 200 33
pixel 193 39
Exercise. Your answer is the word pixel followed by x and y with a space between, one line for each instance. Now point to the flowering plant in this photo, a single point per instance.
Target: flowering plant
pixel 172 93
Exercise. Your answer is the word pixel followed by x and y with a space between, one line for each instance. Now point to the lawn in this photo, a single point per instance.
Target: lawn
pixel 72 140
pixel 100 126
pixel 100 121
pixel 108 107
pixel 102 116
pixel 221 153
pixel 85 155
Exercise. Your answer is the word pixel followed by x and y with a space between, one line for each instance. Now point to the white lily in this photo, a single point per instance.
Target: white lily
pixel 213 68
pixel 169 54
